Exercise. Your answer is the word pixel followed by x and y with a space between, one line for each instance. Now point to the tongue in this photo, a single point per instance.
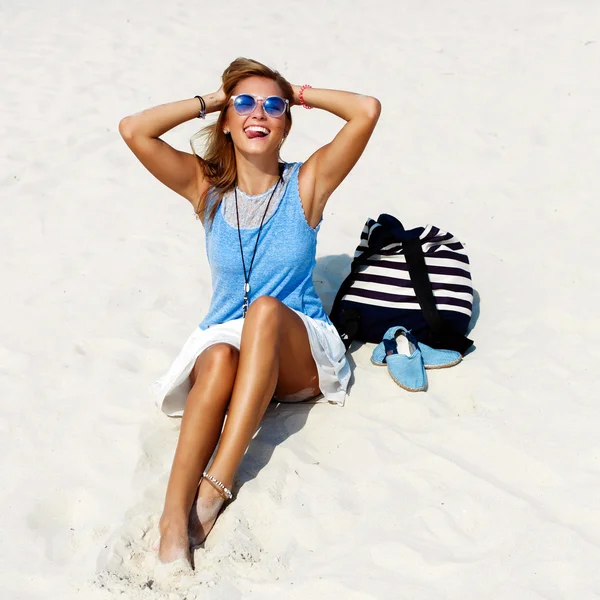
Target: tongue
pixel 255 134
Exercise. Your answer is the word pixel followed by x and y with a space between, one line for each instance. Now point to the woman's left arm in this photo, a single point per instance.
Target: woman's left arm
pixel 323 172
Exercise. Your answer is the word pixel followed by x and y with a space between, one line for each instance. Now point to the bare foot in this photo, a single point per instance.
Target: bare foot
pixel 174 542
pixel 204 513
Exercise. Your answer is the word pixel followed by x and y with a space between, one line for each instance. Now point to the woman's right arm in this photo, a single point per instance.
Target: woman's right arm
pixel 180 171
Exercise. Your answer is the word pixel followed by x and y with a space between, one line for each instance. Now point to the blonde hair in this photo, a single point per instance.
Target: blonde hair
pixel 218 162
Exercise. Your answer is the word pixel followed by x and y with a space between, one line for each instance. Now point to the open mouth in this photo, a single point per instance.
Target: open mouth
pixel 254 132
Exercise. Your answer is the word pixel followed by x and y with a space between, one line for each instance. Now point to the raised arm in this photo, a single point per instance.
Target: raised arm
pixel 323 172
pixel 180 171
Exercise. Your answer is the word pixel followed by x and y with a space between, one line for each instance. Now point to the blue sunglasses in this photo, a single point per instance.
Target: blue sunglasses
pixel 245 104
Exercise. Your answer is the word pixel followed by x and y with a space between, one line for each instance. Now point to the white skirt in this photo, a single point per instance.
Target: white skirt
pixel 325 344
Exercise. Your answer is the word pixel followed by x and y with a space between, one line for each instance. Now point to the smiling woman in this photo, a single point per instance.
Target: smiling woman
pixel 266 334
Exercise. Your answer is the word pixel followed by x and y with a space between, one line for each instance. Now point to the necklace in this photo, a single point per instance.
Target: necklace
pixel 247 274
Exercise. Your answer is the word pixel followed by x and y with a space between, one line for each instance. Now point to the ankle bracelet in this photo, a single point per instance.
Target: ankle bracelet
pixel 225 492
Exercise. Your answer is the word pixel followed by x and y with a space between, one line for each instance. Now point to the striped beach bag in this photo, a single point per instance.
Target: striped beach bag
pixel 418 278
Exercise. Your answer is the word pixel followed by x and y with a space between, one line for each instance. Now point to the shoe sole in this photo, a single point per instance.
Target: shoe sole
pixel 428 367
pixel 444 366
pixel 404 387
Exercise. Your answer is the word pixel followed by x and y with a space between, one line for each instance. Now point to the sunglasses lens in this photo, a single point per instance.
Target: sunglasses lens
pixel 244 104
pixel 274 106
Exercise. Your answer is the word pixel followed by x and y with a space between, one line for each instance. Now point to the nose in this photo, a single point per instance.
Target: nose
pixel 258 111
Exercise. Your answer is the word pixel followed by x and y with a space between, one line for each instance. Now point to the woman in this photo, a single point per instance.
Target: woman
pixel 266 335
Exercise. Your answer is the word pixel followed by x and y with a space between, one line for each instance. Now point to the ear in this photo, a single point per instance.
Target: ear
pixel 224 124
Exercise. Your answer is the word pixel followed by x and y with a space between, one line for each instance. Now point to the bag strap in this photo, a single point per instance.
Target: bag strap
pixel 347 283
pixel 348 323
pixel 388 232
pixel 441 334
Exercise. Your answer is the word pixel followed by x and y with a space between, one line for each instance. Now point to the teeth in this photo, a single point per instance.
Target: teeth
pixel 258 128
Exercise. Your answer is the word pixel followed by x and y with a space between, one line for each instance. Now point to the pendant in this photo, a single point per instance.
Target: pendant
pixel 245 305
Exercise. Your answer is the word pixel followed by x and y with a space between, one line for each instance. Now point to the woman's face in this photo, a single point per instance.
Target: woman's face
pixel 256 132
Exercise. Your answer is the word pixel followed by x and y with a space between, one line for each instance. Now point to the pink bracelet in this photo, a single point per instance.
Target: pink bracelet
pixel 301 96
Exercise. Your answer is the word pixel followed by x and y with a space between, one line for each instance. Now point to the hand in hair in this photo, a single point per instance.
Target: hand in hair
pixel 221 97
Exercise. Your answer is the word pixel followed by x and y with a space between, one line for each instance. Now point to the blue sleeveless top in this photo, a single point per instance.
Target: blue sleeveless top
pixel 283 266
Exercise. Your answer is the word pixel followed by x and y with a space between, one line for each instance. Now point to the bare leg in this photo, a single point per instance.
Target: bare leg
pixel 275 359
pixel 206 405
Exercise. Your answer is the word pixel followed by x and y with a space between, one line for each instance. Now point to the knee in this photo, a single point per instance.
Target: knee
pixel 222 355
pixel 216 358
pixel 266 310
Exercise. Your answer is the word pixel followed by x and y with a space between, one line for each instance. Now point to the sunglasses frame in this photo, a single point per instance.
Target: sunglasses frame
pixel 262 99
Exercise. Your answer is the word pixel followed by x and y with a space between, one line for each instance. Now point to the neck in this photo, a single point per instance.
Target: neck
pixel 256 175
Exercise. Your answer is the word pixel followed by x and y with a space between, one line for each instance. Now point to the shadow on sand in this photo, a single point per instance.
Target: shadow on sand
pixel 283 420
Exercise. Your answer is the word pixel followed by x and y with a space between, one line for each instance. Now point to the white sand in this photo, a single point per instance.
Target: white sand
pixel 485 487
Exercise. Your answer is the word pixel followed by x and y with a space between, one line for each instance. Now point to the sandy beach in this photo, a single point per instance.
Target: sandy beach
pixel 486 487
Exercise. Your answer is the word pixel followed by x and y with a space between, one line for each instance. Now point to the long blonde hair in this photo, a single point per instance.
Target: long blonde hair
pixel 218 162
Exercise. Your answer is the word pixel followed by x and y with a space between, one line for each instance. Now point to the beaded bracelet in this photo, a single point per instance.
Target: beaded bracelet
pixel 225 492
pixel 301 96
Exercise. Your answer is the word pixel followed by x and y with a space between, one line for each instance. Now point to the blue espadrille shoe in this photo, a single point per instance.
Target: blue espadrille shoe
pixel 378 355
pixel 432 357
pixel 400 352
